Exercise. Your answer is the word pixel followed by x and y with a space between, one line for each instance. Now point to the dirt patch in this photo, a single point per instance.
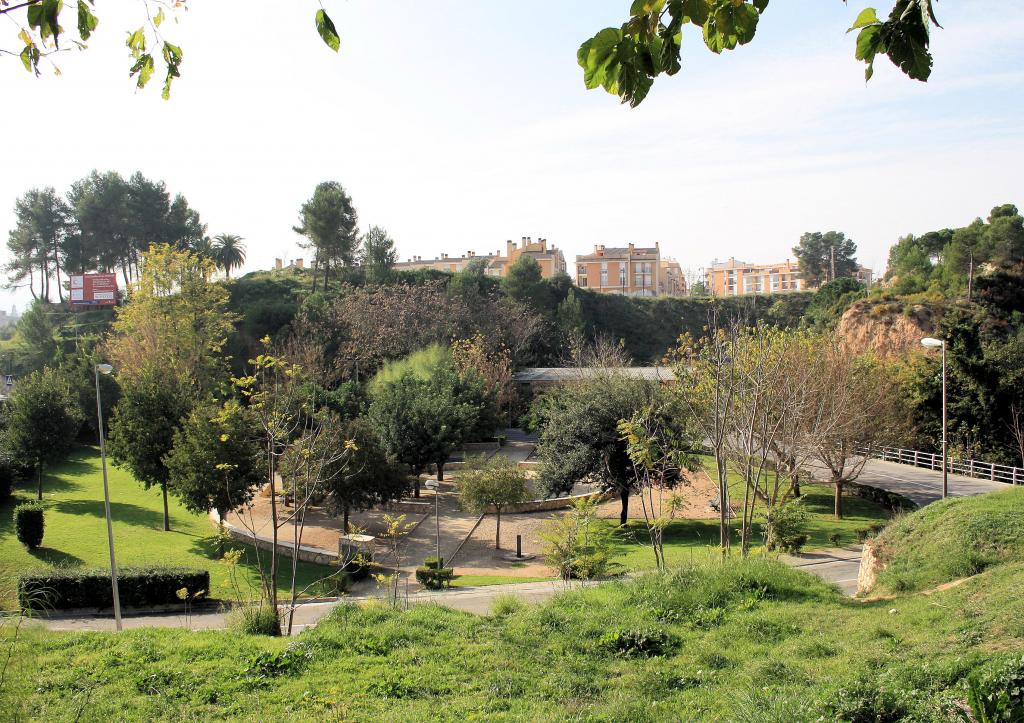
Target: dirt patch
pixel 697 493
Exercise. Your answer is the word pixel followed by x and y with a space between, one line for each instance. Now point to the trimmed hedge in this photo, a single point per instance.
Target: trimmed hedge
pixel 29 524
pixel 68 588
pixel 435 578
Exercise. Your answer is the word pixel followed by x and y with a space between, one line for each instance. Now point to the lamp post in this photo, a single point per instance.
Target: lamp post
pixel 106 369
pixel 433 485
pixel 932 343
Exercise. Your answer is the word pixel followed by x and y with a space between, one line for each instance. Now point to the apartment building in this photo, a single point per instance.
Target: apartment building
pixel 625 270
pixel 736 278
pixel 673 281
pixel 550 258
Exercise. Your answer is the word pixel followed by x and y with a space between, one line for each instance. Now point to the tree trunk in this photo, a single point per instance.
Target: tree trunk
pixel 839 500
pixel 39 482
pixel 723 503
pixel 440 471
pixel 220 535
pixel 497 529
pixel 416 488
pixel 796 486
pixel 344 519
pixel 624 514
pixel 167 516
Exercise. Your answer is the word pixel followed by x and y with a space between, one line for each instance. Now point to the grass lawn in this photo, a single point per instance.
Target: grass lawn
pixel 689 540
pixel 76 530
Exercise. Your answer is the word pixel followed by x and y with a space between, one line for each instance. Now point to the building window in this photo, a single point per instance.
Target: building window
pixel 604 273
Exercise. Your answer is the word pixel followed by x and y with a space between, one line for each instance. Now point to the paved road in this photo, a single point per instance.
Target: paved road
pixel 923 486
pixel 477 600
pixel 839 565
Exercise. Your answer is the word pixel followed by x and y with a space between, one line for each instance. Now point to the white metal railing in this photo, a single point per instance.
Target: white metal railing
pixel 967 467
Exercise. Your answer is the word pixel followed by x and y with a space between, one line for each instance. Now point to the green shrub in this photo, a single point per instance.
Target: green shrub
pixel 434 578
pixel 433 562
pixel 76 587
pixel 29 524
pixel 637 642
pixel 835 539
pixel 996 693
pixel 255 620
pixel 785 527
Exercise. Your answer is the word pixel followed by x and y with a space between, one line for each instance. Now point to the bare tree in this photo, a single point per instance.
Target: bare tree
pixel 1016 427
pixel 859 412
pixel 760 411
pixel 707 379
pixel 661 450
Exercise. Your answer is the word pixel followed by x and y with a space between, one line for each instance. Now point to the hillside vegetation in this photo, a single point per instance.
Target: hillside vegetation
pixel 742 641
pixel 954 538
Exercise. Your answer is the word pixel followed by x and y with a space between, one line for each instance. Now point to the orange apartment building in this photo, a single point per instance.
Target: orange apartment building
pixel 673 281
pixel 736 278
pixel 550 258
pixel 626 270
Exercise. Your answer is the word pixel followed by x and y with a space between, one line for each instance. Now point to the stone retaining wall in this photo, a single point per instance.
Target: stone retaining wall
pixel 891 501
pixel 555 503
pixel 306 553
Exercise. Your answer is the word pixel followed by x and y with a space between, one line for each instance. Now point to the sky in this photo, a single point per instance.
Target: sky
pixel 458 125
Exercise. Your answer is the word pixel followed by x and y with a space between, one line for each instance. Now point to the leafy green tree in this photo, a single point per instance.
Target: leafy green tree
pixel 329 222
pixel 524 282
pixel 39 346
pixel 626 60
pixel 580 439
pixel 153 403
pixel 228 252
pixel 370 477
pixel 377 255
pixel 494 481
pixel 422 418
pixel 42 420
pixel 825 257
pixel 36 242
pixel 175 320
pixel 215 462
pixel 570 315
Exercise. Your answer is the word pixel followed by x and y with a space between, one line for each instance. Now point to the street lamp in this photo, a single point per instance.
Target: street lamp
pixel 107 369
pixel 433 485
pixel 932 343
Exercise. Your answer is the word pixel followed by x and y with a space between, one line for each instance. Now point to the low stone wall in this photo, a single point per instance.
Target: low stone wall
pixel 555 503
pixel 889 500
pixel 409 507
pixel 478 447
pixel 306 553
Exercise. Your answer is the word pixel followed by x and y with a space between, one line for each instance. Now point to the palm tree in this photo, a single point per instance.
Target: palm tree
pixel 228 252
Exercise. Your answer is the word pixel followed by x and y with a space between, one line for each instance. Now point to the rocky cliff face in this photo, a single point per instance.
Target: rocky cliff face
pixel 887 328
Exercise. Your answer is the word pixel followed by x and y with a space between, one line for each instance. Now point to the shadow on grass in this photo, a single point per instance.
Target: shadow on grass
pixel 57 558
pixel 119 511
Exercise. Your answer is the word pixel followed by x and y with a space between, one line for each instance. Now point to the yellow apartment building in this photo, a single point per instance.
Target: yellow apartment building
pixel 736 278
pixel 550 258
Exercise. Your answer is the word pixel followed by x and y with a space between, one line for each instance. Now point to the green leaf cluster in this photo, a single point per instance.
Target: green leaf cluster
pixel 626 60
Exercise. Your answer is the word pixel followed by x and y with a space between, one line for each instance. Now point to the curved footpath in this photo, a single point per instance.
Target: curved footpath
pixel 920 486
pixel 838 565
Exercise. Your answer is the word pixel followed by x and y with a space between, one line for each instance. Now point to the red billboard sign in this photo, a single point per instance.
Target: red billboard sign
pixel 93 289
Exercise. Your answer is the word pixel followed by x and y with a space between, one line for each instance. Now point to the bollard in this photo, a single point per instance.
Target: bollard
pixel 519 545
